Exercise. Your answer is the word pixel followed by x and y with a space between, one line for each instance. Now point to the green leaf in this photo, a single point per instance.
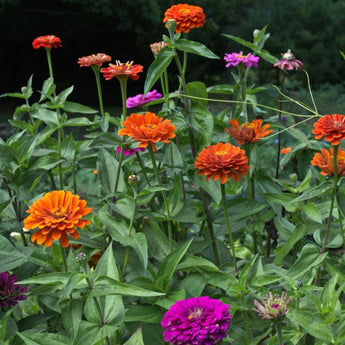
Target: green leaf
pixel 47 116
pixel 30 338
pixel 72 107
pixel 175 198
pixel 210 187
pixel 284 199
pixel 317 191
pixel 77 122
pixel 312 212
pixel 195 263
pixel 58 278
pixel 10 257
pixel 71 314
pixel 47 89
pixel 169 264
pixel 197 90
pixel 194 48
pixel 159 65
pixel 135 339
pixel 263 280
pixel 143 313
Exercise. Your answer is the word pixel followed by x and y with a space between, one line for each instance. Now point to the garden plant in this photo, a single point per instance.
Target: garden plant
pixel 195 216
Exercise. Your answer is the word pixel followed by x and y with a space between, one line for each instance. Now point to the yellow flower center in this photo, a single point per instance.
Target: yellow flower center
pixel 240 56
pixel 184 10
pixel 148 126
pixel 195 314
pixel 221 153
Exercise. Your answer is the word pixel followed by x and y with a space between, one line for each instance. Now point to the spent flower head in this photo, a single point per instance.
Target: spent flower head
pixel 122 71
pixel 157 47
pixel 238 59
pixel 94 60
pixel 197 321
pixel 140 100
pixel 186 17
pixel 10 292
pixel 289 62
pixel 272 307
pixel 47 41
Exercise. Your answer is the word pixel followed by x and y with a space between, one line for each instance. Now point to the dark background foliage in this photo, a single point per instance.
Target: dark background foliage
pixel 312 29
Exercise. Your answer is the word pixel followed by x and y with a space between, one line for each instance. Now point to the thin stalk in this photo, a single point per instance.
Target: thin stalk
pixel 50 65
pixel 243 93
pixel 231 240
pixel 59 154
pixel 159 181
pixel 280 117
pixel 340 216
pixel 74 177
pixel 246 325
pixel 99 89
pixel 143 168
pixel 278 328
pixel 63 255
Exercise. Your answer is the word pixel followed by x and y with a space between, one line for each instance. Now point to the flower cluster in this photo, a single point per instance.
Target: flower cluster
pixel 122 71
pixel 324 161
pixel 10 293
pixel 48 41
pixel 140 100
pixel 238 59
pixel 221 161
pixel 93 60
pixel 249 132
pixel 197 321
pixel 186 17
pixel 55 215
pixel 272 306
pixel 148 129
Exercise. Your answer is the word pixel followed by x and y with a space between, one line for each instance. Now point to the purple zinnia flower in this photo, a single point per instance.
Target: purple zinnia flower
pixel 129 152
pixel 235 59
pixel 196 321
pixel 139 100
pixel 10 293
pixel 289 62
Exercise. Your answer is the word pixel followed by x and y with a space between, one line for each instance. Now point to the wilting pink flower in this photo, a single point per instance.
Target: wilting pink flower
pixel 10 293
pixel 272 306
pixel 235 59
pixel 129 152
pixel 289 62
pixel 139 99
pixel 93 60
pixel 197 321
pixel 157 47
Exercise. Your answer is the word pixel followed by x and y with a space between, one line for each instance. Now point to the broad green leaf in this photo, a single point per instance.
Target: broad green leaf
pixel 159 65
pixel 62 96
pixel 47 89
pixel 143 313
pixel 194 48
pixel 58 278
pixel 10 257
pixel 47 116
pixel 78 122
pixel 284 199
pixel 71 314
pixel 169 265
pixel 197 90
pixel 195 263
pixel 30 338
pixel 264 280
pixel 210 187
pixel 175 198
pixel 72 107
pixel 317 191
pixel 135 339
pixel 312 212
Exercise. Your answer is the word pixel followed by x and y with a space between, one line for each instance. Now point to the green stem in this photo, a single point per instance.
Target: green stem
pixel 280 117
pixel 278 328
pixel 59 154
pixel 143 168
pixel 123 86
pixel 340 216
pixel 245 320
pixel 159 181
pixel 50 65
pixel 243 93
pixel 231 240
pixel 99 89
pixel 63 255
pixel 74 177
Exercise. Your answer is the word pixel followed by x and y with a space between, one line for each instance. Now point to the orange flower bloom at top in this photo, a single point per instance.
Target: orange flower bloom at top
pixel 48 41
pixel 94 60
pixel 122 71
pixel 249 132
pixel 324 161
pixel 148 129
pixel 221 161
pixel 186 17
pixel 55 215
pixel 330 126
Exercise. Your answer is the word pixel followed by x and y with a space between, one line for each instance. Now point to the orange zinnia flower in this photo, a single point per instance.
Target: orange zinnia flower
pixel 94 60
pixel 221 161
pixel 330 126
pixel 148 129
pixel 122 71
pixel 55 215
pixel 186 17
pixel 286 150
pixel 48 41
pixel 249 132
pixel 325 162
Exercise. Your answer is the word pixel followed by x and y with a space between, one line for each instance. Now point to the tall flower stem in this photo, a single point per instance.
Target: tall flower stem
pixel 159 181
pixel 280 117
pixel 278 328
pixel 63 256
pixel 96 69
pixel 242 81
pixel 245 320
pixel 231 240
pixel 50 65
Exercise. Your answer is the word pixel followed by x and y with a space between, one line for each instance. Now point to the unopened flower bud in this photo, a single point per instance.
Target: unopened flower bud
pixel 82 258
pixel 171 26
pixel 293 177
pixel 256 32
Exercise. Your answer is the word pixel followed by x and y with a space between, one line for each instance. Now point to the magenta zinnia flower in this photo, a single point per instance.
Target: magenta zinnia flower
pixel 10 293
pixel 289 62
pixel 196 321
pixel 235 59
pixel 139 99
pixel 129 152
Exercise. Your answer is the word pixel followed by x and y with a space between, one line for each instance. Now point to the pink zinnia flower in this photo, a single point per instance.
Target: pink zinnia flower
pixel 93 60
pixel 289 62
pixel 130 152
pixel 235 59
pixel 139 100
pixel 197 321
